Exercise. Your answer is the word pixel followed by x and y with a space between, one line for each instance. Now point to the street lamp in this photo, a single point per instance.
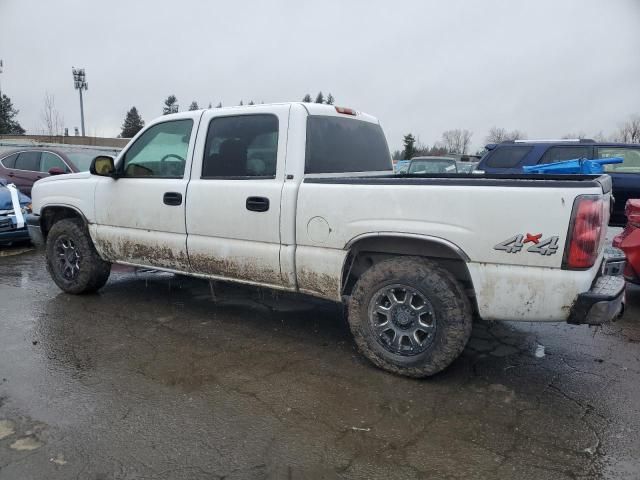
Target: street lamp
pixel 1 65
pixel 79 83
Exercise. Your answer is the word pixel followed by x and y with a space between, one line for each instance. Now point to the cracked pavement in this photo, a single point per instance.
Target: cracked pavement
pixel 156 378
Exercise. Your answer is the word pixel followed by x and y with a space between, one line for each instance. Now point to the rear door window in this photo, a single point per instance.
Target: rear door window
pixel 340 145
pixel 241 147
pixel 28 161
pixel 10 161
pixel 631 158
pixel 560 153
pixel 508 156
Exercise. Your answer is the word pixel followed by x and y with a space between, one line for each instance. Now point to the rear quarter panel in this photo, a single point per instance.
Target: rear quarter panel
pixel 509 286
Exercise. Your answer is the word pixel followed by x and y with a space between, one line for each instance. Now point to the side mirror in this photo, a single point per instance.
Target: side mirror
pixel 56 171
pixel 103 165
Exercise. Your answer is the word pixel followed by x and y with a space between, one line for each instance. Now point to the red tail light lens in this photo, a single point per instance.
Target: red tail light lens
pixel 585 233
pixel 632 211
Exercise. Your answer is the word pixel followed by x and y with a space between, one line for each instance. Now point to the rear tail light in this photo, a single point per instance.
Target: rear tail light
pixel 632 211
pixel 586 232
pixel 346 111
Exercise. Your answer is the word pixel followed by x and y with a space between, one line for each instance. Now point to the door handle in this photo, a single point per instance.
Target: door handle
pixel 172 198
pixel 258 204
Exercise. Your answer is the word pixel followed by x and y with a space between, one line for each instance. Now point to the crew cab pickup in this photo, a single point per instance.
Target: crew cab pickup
pixel 301 197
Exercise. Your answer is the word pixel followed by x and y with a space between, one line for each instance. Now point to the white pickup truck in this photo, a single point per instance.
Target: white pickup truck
pixel 301 197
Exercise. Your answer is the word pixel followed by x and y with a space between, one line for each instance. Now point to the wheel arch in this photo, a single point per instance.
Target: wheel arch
pixel 51 214
pixel 368 249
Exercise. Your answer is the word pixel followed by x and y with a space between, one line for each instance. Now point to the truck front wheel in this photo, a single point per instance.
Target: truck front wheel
pixel 72 260
pixel 410 316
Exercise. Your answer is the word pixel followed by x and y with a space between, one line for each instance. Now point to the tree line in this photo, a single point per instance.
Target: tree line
pixel 458 141
pixel 452 141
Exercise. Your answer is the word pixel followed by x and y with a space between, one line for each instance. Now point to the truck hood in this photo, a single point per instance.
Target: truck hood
pixel 66 176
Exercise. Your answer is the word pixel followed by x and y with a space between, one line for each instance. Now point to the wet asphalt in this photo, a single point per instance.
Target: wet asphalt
pixel 159 377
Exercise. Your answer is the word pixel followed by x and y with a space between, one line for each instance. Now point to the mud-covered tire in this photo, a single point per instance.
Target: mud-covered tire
pixel 448 304
pixel 92 272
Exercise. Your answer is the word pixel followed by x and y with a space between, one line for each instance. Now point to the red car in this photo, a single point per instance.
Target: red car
pixel 629 241
pixel 24 166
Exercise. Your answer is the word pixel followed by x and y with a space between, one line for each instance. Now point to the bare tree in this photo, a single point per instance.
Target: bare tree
pixel 579 135
pixel 423 149
pixel 53 121
pixel 601 137
pixel 456 141
pixel 497 135
pixel 629 131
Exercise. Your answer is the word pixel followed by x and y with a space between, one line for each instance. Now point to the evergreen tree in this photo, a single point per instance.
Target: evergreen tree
pixel 307 98
pixel 170 105
pixel 133 123
pixel 209 105
pixel 219 105
pixel 241 104
pixel 194 106
pixel 251 102
pixel 330 99
pixel 8 124
pixel 409 143
pixel 320 98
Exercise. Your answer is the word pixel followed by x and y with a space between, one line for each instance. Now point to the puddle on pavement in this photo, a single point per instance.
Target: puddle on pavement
pixel 26 443
pixel 7 428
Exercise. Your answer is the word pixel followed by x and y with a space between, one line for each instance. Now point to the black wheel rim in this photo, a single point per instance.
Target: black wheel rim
pixel 67 257
pixel 402 319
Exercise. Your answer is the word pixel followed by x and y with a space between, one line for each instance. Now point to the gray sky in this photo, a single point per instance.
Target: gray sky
pixel 547 67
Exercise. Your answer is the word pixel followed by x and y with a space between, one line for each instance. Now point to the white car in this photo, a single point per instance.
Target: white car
pixel 302 197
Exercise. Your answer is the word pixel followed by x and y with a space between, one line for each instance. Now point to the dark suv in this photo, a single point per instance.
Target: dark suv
pixel 510 157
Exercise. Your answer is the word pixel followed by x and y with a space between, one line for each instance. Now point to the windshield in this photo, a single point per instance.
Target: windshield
pixel 433 166
pixel 82 158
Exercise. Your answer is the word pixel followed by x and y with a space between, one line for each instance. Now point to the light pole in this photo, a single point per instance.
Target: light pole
pixel 79 83
pixel 1 65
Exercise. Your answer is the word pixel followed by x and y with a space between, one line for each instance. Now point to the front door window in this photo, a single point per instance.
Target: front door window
pixel 161 151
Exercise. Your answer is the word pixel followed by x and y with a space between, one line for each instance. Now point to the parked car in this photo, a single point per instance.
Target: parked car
pixel 321 213
pixel 511 156
pixel 10 229
pixel 629 241
pixel 24 166
pixel 422 165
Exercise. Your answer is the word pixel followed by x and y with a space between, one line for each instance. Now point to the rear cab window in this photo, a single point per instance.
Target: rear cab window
pixel 342 145
pixel 630 155
pixel 507 156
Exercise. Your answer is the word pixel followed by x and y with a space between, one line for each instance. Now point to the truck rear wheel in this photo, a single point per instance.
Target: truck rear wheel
pixel 410 316
pixel 72 260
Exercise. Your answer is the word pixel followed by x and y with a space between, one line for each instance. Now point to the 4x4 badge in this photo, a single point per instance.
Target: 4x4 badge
pixel 515 244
